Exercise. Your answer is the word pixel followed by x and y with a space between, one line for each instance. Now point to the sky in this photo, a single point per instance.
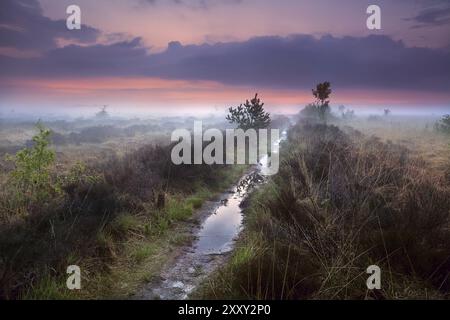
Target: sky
pixel 195 55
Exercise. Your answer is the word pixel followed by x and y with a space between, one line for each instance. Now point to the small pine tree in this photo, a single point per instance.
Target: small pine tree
pixel 250 115
pixel 322 94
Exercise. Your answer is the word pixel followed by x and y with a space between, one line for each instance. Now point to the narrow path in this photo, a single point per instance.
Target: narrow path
pixel 214 241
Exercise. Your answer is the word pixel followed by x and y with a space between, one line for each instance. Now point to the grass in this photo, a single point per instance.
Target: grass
pixel 125 222
pixel 143 251
pixel 107 219
pixel 49 288
pixel 194 202
pixel 178 209
pixel 342 201
pixel 128 252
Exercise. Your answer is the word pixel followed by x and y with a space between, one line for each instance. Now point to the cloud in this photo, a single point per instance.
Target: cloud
pixel 300 61
pixel 193 4
pixel 432 16
pixel 297 61
pixel 23 26
pixel 117 59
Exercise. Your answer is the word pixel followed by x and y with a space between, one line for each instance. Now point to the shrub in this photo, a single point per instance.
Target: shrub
pixel 30 180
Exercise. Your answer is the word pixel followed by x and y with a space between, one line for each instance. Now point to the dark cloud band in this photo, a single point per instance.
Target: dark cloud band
pixel 373 62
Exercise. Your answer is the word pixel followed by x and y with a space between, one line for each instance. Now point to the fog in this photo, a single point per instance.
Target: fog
pixel 21 113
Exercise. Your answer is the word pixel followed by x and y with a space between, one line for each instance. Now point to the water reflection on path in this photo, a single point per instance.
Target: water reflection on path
pixel 215 238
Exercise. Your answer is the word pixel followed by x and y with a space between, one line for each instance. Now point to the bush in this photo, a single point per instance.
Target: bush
pixel 30 180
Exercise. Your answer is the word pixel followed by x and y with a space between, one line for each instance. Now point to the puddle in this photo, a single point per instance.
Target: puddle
pixel 221 228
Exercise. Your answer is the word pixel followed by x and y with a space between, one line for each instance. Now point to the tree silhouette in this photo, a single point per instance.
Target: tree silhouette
pixel 103 113
pixel 250 115
pixel 387 112
pixel 322 94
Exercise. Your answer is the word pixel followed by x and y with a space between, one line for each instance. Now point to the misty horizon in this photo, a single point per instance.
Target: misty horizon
pixel 405 64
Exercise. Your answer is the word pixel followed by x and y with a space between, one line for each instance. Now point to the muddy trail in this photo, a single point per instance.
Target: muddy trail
pixel 221 223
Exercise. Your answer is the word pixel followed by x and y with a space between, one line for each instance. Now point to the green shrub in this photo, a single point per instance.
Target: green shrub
pixel 30 180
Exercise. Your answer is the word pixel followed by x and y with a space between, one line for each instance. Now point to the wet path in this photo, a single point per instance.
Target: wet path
pixel 214 239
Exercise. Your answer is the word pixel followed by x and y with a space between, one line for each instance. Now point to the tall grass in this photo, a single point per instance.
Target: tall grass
pixel 340 203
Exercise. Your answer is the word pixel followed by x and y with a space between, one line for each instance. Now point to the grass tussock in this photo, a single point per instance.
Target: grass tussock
pixel 340 203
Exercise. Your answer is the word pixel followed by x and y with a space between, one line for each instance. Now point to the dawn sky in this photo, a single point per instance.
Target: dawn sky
pixel 192 53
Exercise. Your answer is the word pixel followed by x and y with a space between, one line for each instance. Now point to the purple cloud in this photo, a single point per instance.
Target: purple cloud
pixel 432 17
pixel 23 26
pixel 298 61
pixel 284 62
